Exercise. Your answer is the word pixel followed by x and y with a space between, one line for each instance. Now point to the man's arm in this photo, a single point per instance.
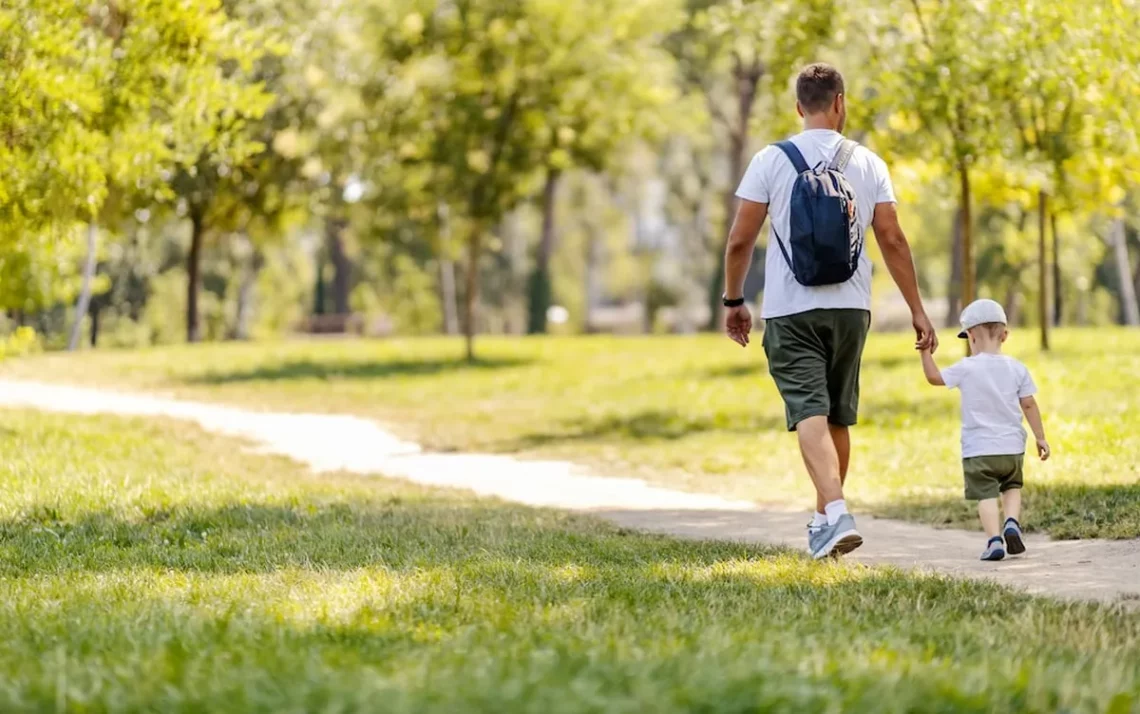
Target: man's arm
pixel 896 252
pixel 930 369
pixel 746 227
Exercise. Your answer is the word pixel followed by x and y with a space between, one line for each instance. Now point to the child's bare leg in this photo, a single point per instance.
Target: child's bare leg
pixel 1011 503
pixel 988 513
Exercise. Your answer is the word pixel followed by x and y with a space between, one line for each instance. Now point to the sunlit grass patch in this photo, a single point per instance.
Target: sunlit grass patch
pixel 147 566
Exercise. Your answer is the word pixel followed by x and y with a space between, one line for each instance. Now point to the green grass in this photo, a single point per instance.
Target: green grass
pixel 147 566
pixel 697 413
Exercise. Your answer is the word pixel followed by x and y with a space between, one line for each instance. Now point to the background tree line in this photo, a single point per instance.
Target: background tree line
pixel 230 169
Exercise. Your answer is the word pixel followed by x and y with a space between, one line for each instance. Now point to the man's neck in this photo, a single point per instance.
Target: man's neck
pixel 820 121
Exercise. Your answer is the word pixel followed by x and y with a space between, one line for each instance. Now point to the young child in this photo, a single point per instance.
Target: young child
pixel 996 390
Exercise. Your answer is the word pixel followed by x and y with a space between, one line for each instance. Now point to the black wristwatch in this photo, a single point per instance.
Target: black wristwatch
pixel 735 302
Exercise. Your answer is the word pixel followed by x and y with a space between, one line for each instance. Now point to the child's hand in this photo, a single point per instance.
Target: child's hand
pixel 1043 449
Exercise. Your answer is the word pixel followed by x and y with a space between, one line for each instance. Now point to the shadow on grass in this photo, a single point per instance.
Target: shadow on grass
pixel 874 411
pixel 648 425
pixel 759 368
pixel 887 362
pixel 400 534
pixel 734 371
pixel 1064 511
pixel 329 370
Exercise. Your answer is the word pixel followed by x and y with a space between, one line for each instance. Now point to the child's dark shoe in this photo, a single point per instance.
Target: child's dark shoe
pixel 994 549
pixel 1013 541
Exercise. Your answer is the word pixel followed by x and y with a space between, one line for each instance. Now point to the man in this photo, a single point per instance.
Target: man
pixel 814 335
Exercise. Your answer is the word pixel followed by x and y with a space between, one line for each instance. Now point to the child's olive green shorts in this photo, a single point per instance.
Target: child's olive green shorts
pixel 814 357
pixel 988 476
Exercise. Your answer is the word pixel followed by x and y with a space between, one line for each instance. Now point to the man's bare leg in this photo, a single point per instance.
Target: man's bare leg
pixel 841 437
pixel 821 459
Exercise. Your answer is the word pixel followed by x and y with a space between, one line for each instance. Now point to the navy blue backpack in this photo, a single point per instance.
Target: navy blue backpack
pixel 825 240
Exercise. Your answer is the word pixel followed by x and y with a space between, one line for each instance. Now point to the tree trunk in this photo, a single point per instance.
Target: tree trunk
pixel 85 290
pixel 342 265
pixel 95 310
pixel 1012 303
pixel 319 290
pixel 194 279
pixel 245 297
pixel 969 289
pixel 954 289
pixel 593 277
pixel 1042 270
pixel 447 274
pixel 471 298
pixel 539 290
pixel 1129 310
pixel 1135 279
pixel 1058 305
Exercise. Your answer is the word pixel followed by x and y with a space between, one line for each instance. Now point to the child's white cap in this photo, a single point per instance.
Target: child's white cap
pixel 979 312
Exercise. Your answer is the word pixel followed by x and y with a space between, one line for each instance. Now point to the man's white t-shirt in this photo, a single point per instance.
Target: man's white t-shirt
pixel 992 387
pixel 769 180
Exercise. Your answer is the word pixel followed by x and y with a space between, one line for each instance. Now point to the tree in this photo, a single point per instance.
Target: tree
pixel 49 96
pixel 603 91
pixel 467 88
pixel 226 179
pixel 730 51
pixel 1061 67
pixel 942 76
pixel 171 84
pixel 50 178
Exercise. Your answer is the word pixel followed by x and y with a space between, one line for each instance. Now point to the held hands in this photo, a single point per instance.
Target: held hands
pixel 738 324
pixel 925 337
pixel 1043 449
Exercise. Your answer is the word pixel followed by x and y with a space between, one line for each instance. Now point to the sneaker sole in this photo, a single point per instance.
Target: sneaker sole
pixel 1013 543
pixel 842 544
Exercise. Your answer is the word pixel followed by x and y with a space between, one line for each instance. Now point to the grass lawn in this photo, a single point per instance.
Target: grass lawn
pixel 147 566
pixel 697 413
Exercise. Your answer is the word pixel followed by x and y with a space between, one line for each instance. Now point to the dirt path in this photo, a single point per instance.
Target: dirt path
pixel 1108 571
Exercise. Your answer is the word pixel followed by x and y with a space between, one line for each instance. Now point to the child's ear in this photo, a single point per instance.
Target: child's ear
pixel 1004 335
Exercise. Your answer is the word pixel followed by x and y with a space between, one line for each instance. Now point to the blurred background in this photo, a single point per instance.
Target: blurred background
pixel 249 169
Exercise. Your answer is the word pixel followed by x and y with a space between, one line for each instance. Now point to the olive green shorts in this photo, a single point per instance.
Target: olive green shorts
pixel 988 476
pixel 814 357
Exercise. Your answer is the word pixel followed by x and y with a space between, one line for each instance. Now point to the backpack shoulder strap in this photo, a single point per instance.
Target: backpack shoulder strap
pixel 843 156
pixel 793 155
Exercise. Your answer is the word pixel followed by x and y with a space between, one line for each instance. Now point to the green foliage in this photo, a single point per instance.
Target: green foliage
pixel 261 119
pixel 22 341
pixel 51 70
pixel 100 103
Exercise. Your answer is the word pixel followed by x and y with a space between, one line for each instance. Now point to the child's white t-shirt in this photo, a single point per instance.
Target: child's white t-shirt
pixel 991 387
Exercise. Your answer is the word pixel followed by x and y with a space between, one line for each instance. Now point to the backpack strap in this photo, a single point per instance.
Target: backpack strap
pixel 843 156
pixel 793 153
pixel 794 156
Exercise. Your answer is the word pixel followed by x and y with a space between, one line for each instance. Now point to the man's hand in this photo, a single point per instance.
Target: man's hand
pixel 1043 449
pixel 925 338
pixel 738 324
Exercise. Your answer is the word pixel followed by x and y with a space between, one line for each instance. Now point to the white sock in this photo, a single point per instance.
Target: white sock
pixel 818 520
pixel 834 510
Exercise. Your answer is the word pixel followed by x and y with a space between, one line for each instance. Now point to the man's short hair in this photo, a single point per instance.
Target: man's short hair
pixel 993 329
pixel 817 86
